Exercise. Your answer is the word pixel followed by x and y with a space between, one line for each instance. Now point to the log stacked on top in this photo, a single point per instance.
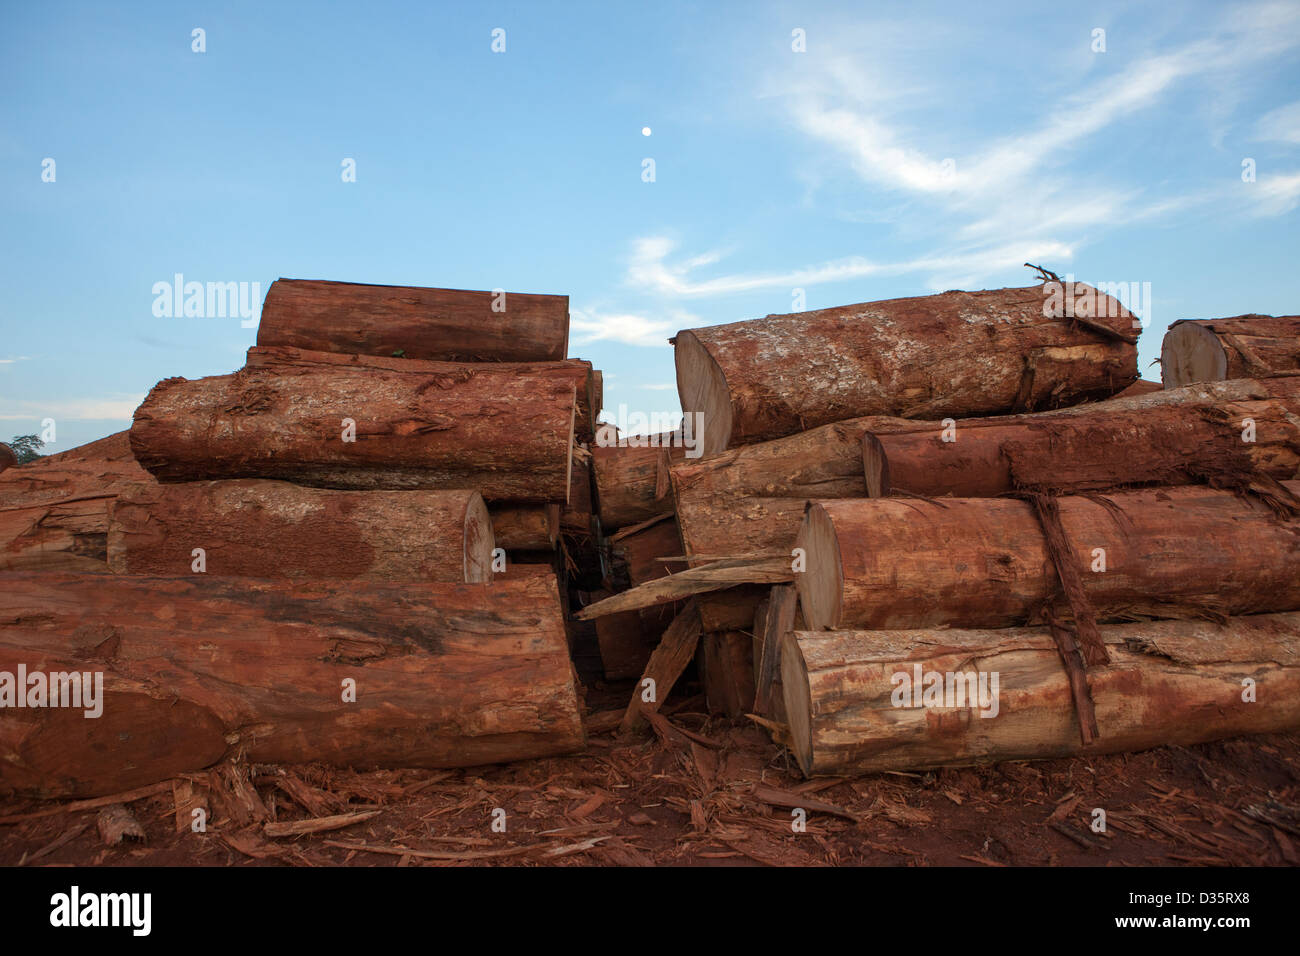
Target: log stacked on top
pixel 301 554
pixel 959 490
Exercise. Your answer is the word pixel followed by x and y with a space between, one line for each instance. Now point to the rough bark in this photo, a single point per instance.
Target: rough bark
pixel 54 510
pixel 666 664
pixel 507 435
pixel 453 325
pixel 983 562
pixel 274 529
pixel 1163 445
pixel 640 555
pixel 198 669
pixel 1245 346
pixel 727 667
pixel 525 527
pixel 7 457
pixel 631 482
pixel 578 371
pixel 1168 683
pixel 957 354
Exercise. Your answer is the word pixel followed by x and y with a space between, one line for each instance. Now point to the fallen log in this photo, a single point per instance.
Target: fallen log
pixel 676 587
pixel 1225 445
pixel 54 510
pixel 198 669
pixel 505 434
pixel 525 527
pixel 8 459
pixel 957 354
pixel 578 371
pixel 274 529
pixel 632 482
pixel 640 555
pixel 453 325
pixel 871 701
pixel 1245 346
pixel 983 562
pixel 727 670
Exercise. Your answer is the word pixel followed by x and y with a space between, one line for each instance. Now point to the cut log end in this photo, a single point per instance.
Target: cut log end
pixel 702 387
pixel 479 541
pixel 875 466
pixel 798 701
pixel 1192 353
pixel 821 584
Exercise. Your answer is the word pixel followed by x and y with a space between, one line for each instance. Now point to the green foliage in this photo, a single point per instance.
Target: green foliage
pixel 26 447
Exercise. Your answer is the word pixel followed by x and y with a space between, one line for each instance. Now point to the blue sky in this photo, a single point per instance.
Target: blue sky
pixel 910 148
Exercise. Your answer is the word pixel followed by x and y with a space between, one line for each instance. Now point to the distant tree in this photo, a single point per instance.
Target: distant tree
pixel 26 447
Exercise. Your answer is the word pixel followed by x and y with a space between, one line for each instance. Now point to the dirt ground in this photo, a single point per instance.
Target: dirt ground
pixel 705 791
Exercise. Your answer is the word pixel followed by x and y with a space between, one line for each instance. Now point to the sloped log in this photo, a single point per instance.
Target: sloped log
pixel 983 562
pixel 197 669
pixel 1244 346
pixel 274 529
pixel 632 482
pixel 853 703
pixel 453 325
pixel 578 371
pixel 54 510
pixel 957 354
pixel 508 436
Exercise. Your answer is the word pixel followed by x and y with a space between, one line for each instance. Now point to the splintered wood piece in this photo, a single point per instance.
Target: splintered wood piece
pixel 777 621
pixel 115 824
pixel 318 824
pixel 674 587
pixel 666 664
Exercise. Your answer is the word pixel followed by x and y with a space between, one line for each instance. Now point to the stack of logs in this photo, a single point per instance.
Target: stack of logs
pixel 352 550
pixel 959 529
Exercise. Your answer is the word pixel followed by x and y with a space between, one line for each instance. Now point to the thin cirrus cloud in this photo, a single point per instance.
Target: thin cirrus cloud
pixel 593 325
pixel 1281 125
pixel 111 408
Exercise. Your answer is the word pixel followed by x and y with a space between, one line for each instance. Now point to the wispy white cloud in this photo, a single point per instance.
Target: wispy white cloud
pixel 17 358
pixel 593 325
pixel 110 408
pixel 1280 125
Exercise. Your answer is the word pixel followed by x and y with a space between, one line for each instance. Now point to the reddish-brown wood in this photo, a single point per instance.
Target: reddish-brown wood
pixel 197 669
pixel 640 554
pixel 579 371
pixel 983 562
pixel 525 527
pixel 956 354
pixel 274 529
pixel 727 667
pixel 453 325
pixel 1140 387
pixel 1244 346
pixel 629 481
pixel 54 510
pixel 1224 444
pixel 8 459
pixel 505 434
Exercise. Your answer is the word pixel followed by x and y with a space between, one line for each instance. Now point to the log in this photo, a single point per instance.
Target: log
pixel 274 529
pixel 1245 346
pixel 452 325
pixel 640 555
pixel 1162 445
pixel 197 669
pixel 525 527
pixel 8 459
pixel 54 510
pixel 957 354
pixel 579 371
pixel 507 435
pixel 626 644
pixel 727 668
pixel 1140 387
pixel 983 562
pixel 1167 683
pixel 631 481
pixel 666 664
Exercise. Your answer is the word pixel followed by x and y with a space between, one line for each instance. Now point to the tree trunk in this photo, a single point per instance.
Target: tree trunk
pixel 7 457
pixel 450 325
pixel 505 434
pixel 956 354
pixel 197 669
pixel 1245 346
pixel 578 371
pixel 525 527
pixel 639 555
pixel 983 562
pixel 1224 445
pixel 1168 683
pixel 274 529
pixel 54 510
pixel 632 483
pixel 728 671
